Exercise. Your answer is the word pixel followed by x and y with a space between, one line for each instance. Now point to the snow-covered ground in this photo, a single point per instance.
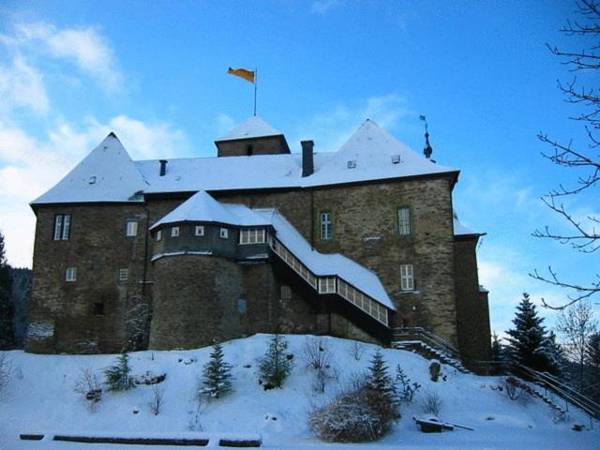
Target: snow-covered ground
pixel 41 399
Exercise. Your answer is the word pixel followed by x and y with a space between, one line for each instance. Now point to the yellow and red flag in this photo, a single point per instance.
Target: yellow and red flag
pixel 247 75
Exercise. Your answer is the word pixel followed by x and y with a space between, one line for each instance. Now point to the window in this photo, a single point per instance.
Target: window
pixel 123 274
pixel 326 225
pixel 174 231
pixel 199 230
pixel 242 307
pixel 285 292
pixel 71 274
pixel 407 280
pixel 159 235
pixel 404 221
pixel 132 227
pixel 327 285
pixel 252 236
pixel 224 233
pixel 62 227
pixel 98 309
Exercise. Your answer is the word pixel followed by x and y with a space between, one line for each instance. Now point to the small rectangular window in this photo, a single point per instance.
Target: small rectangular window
pixel 199 230
pixel 285 292
pixel 159 235
pixel 123 274
pixel 224 233
pixel 98 309
pixel 326 225
pixel 252 236
pixel 71 274
pixel 174 231
pixel 404 221
pixel 132 227
pixel 62 227
pixel 407 280
pixel 327 285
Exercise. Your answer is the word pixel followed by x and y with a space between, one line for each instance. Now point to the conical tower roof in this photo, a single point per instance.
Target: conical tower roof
pixel 252 127
pixel 107 174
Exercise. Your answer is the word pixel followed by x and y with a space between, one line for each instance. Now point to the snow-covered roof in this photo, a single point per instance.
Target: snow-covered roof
pixel 370 154
pixel 107 174
pixel 250 128
pixel 201 207
pixel 461 230
pixel 322 264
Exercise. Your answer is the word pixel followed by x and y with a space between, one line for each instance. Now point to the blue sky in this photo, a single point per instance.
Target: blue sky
pixel 155 72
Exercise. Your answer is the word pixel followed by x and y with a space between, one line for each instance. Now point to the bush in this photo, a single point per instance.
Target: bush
pixel 5 371
pixel 158 400
pixel 513 388
pixel 405 389
pixel 357 349
pixel 356 415
pixel 276 365
pixel 118 376
pixel 432 403
pixel 318 358
pixel 88 387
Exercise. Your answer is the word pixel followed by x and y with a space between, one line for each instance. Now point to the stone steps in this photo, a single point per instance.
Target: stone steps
pixel 429 352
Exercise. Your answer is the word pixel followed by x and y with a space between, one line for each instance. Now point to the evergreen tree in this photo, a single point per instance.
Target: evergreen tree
pixel 405 390
pixel 528 341
pixel 497 356
pixel 216 375
pixel 118 376
pixel 593 362
pixel 275 366
pixel 7 337
pixel 378 379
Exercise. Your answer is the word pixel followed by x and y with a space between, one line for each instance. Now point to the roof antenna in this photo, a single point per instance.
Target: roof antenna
pixel 427 151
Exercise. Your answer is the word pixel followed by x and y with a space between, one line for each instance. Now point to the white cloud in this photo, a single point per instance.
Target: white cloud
pixel 84 46
pixel 21 85
pixel 322 7
pixel 330 129
pixel 29 167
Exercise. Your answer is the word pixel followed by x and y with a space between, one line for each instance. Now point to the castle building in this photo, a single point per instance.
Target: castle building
pixel 167 254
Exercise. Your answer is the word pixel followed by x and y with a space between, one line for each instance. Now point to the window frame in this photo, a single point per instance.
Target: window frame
pixel 158 236
pixel 326 225
pixel 328 285
pixel 71 274
pixel 62 227
pixel 175 231
pixel 404 226
pixel 251 236
pixel 131 229
pixel 199 228
pixel 224 233
pixel 123 274
pixel 285 292
pixel 407 277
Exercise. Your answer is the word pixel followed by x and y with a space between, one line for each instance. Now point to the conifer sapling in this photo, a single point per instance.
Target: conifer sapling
pixel 216 374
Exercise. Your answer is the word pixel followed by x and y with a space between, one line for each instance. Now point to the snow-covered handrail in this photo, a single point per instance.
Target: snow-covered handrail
pixel 332 284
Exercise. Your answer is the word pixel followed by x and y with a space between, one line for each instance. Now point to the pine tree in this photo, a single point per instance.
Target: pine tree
pixel 216 375
pixel 593 361
pixel 378 379
pixel 497 356
pixel 275 366
pixel 7 337
pixel 528 341
pixel 118 376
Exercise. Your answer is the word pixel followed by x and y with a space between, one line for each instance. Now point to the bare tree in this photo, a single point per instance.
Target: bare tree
pixel 158 400
pixel 577 325
pixel 582 161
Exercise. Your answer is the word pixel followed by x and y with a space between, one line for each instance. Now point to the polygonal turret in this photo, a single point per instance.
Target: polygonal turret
pixel 253 136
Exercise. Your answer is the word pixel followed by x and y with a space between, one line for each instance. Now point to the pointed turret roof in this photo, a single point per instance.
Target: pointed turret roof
pixel 371 153
pixel 252 127
pixel 201 207
pixel 107 174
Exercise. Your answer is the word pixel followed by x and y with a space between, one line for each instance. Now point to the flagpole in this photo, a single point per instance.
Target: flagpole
pixel 255 84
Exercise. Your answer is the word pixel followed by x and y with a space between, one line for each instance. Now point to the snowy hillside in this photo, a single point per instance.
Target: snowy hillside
pixel 41 399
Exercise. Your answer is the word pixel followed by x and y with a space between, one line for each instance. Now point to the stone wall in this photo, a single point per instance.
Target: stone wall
pixel 63 315
pixel 471 305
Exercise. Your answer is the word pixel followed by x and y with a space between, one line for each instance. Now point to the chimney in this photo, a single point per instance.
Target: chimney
pixel 307 158
pixel 163 167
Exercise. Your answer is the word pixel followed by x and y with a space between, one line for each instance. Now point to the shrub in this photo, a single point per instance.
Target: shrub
pixel 513 388
pixel 318 358
pixel 5 371
pixel 356 415
pixel 118 376
pixel 88 387
pixel 276 365
pixel 357 349
pixel 158 400
pixel 405 389
pixel 432 403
